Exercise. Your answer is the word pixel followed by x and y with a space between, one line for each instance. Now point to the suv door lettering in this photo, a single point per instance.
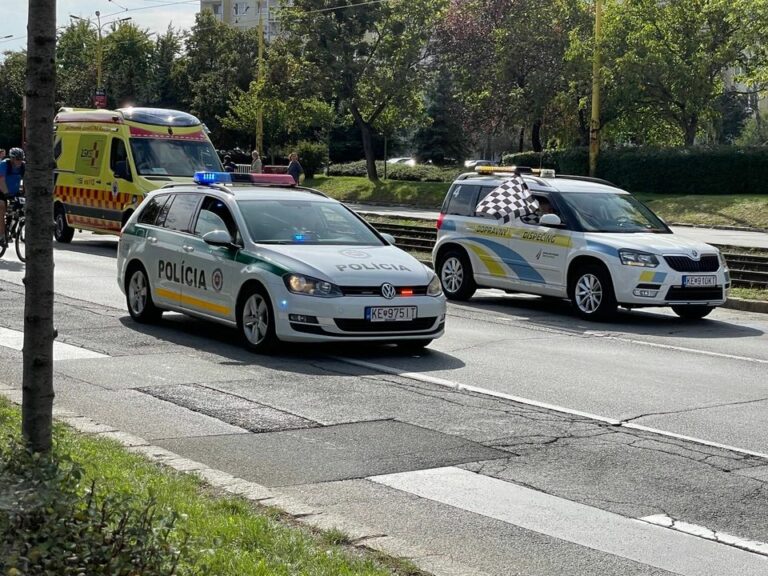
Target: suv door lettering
pixel 182 274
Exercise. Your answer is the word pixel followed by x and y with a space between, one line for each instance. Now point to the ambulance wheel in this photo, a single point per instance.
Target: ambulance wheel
pixel 456 277
pixel 61 230
pixel 695 312
pixel 256 320
pixel 591 293
pixel 138 296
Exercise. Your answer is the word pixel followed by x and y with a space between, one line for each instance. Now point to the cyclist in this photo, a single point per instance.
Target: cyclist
pixel 11 175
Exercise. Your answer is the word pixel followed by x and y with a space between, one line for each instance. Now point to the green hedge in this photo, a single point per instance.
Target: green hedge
pixel 720 170
pixel 421 173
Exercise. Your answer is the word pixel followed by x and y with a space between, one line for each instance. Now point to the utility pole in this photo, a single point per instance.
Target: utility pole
pixel 98 54
pixel 594 125
pixel 260 117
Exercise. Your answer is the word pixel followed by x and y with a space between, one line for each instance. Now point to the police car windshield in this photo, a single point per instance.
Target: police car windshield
pixel 618 213
pixel 304 222
pixel 156 157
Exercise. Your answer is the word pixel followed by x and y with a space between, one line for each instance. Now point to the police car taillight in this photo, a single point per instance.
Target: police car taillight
pixel 208 178
pixel 440 219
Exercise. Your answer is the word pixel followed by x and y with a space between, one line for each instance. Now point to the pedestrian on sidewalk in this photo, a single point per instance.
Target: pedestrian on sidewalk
pixel 256 166
pixel 229 166
pixel 294 168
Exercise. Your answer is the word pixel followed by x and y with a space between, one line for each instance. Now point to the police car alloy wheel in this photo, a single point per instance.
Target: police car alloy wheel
pixel 456 276
pixel 693 312
pixel 255 321
pixel 139 297
pixel 592 293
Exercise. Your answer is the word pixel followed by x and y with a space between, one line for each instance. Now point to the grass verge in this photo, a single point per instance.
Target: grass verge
pixel 750 293
pixel 743 210
pixel 226 535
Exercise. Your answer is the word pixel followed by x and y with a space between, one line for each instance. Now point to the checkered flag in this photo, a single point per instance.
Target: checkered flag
pixel 511 199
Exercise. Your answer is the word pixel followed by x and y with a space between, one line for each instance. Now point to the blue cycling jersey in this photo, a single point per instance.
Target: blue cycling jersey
pixel 12 177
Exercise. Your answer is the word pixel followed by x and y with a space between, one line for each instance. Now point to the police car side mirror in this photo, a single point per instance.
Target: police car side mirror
pixel 389 238
pixel 218 238
pixel 550 220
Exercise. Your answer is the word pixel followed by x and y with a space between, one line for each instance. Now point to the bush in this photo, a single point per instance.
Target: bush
pixel 418 173
pixel 51 524
pixel 312 156
pixel 717 170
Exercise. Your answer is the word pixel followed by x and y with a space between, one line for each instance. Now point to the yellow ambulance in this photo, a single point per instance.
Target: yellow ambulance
pixel 107 160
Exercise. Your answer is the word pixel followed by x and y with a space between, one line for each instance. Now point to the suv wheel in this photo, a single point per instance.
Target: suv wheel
pixel 456 275
pixel 591 293
pixel 695 312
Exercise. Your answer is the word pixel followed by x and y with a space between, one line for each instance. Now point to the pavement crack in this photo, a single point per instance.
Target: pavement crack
pixel 695 409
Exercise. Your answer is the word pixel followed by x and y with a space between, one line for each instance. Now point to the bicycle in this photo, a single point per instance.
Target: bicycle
pixel 14 227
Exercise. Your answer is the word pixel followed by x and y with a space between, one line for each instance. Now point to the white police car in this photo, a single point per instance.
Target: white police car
pixel 598 246
pixel 277 261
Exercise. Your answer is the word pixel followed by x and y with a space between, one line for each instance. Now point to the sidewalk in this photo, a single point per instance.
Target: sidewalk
pixel 709 235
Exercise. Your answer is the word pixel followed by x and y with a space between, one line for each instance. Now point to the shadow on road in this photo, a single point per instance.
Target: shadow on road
pixel 217 339
pixel 11 265
pixel 556 313
pixel 94 245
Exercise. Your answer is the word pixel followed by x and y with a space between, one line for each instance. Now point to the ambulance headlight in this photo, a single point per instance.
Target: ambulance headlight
pixel 635 258
pixel 300 284
pixel 434 288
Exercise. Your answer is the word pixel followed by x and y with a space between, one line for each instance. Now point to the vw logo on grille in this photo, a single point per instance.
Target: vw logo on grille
pixel 388 291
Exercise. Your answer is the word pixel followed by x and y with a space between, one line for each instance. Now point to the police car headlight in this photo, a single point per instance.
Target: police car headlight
pixel 300 284
pixel 434 288
pixel 635 258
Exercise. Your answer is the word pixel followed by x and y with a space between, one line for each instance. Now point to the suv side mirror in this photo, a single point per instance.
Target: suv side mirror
pixel 122 170
pixel 218 238
pixel 550 220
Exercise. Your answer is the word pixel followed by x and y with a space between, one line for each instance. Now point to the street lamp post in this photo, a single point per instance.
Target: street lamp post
pixel 100 98
pixel 594 125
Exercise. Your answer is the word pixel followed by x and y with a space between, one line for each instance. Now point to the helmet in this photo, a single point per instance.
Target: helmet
pixel 16 154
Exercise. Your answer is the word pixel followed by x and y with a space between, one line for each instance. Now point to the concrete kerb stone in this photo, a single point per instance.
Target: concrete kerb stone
pixel 360 536
pixel 759 306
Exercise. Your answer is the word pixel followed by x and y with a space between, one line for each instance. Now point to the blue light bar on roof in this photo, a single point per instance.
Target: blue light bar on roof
pixel 207 178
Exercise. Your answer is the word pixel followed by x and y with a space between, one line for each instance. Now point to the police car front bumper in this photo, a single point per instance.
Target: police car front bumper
pixel 359 318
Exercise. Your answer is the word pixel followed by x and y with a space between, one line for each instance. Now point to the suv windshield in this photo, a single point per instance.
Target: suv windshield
pixel 600 212
pixel 304 222
pixel 155 157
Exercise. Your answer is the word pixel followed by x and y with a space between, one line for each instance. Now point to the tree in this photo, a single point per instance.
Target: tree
pixel 443 138
pixel 128 55
pixel 367 58
pixel 13 72
pixel 38 394
pixel 164 90
pixel 668 58
pixel 76 64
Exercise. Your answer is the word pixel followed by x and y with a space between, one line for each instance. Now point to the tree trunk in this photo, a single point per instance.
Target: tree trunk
pixel 37 399
pixel 521 141
pixel 690 127
pixel 536 136
pixel 366 133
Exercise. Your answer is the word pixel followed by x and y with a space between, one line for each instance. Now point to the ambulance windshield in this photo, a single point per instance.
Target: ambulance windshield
pixel 171 157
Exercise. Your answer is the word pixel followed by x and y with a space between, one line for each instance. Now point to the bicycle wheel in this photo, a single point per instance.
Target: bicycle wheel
pixel 21 245
pixel 3 247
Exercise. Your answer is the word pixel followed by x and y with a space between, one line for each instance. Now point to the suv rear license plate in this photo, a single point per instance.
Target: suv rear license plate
pixel 390 313
pixel 699 281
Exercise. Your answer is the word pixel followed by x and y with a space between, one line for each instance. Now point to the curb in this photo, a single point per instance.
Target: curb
pixel 759 306
pixel 360 536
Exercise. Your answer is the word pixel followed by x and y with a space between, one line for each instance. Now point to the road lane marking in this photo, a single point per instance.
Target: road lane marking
pixel 561 409
pixel 15 340
pixel 708 534
pixel 645 542
pixel 675 348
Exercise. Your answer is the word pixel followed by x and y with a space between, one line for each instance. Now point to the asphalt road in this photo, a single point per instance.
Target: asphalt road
pixel 523 442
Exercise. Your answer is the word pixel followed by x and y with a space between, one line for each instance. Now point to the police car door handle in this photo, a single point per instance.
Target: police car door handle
pixel 152 239
pixel 188 248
